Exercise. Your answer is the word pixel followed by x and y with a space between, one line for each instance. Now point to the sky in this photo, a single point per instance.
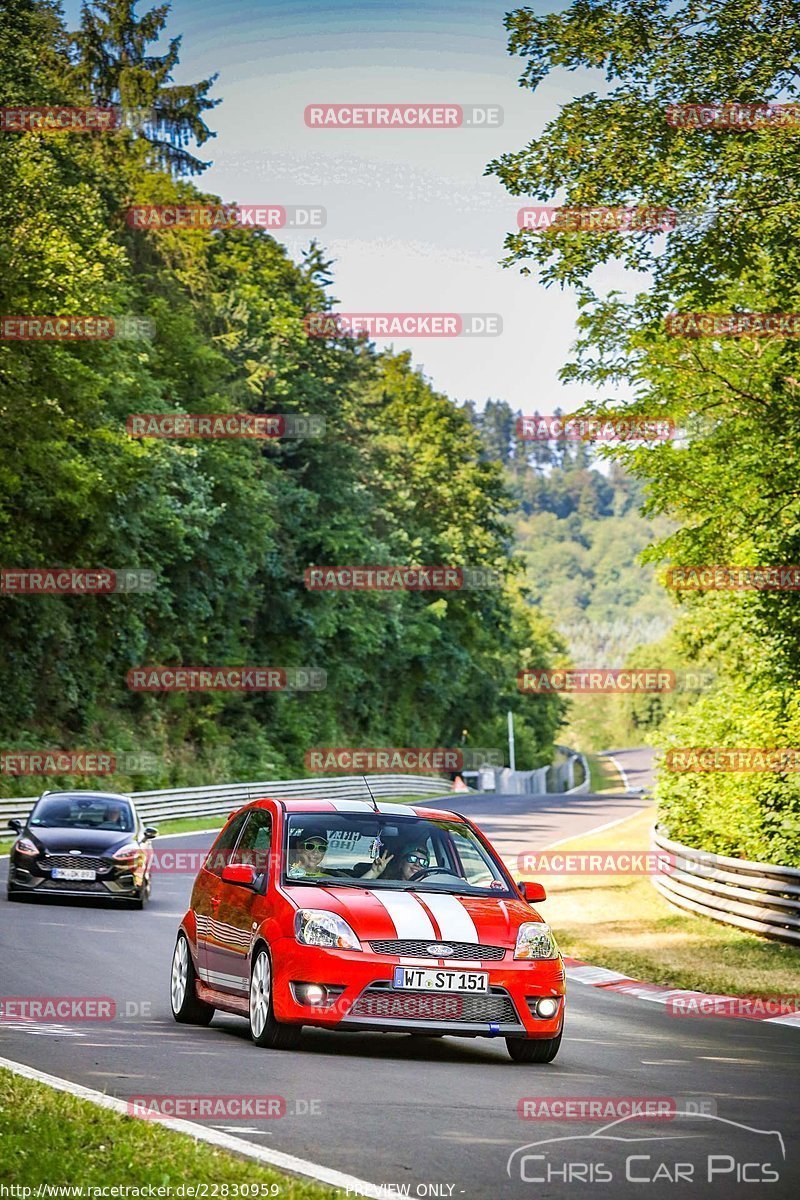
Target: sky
pixel 412 223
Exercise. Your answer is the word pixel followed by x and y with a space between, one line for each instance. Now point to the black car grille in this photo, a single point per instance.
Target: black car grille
pixel 73 885
pixel 79 862
pixel 407 946
pixel 496 1008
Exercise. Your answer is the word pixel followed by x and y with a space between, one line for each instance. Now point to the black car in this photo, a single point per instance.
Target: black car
pixel 82 844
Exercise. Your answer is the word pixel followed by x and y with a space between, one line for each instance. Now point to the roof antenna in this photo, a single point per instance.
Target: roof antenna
pixel 372 798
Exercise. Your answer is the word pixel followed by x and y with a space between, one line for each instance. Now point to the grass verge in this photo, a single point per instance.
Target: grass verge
pixel 603 775
pixel 52 1137
pixel 621 922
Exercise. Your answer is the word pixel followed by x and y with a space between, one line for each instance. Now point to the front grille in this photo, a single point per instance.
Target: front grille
pixel 407 946
pixel 496 1008
pixel 79 862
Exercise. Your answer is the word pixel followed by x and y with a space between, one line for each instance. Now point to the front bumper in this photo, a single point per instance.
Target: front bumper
pixel 111 882
pixel 369 1000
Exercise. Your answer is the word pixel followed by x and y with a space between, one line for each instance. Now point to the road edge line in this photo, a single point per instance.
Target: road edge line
pixel 623 774
pixel 214 1137
pixel 573 837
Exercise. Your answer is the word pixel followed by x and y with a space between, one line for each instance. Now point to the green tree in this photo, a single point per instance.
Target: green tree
pixel 730 480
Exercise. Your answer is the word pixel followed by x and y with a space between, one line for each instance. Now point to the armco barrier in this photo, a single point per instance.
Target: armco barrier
pixel 220 799
pixel 761 897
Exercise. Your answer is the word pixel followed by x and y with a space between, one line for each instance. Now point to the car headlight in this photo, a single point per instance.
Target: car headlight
pixel 27 847
pixel 316 927
pixel 129 853
pixel 535 940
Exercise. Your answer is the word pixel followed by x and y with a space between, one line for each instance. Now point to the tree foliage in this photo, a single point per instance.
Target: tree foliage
pixel 729 481
pixel 228 527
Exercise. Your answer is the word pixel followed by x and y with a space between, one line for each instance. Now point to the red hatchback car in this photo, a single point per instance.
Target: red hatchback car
pixel 352 916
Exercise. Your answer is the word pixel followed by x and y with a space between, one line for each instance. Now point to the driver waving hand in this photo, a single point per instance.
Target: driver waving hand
pixel 405 865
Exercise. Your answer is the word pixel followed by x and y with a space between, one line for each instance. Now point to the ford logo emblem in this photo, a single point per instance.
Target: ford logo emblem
pixel 439 949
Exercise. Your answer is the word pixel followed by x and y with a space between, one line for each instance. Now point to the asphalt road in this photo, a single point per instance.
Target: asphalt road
pixel 440 1117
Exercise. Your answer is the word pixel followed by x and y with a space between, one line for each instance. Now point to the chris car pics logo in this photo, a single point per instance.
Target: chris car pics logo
pixel 699 1148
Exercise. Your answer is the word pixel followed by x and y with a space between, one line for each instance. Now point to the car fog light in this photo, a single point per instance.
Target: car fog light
pixel 317 995
pixel 547 1006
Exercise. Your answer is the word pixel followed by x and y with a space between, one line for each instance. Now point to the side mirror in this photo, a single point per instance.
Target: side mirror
pixel 532 892
pixel 15 824
pixel 150 833
pixel 242 874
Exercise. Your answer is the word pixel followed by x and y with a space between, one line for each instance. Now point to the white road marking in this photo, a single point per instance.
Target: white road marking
pixel 243 1129
pixel 594 829
pixel 215 1137
pixel 623 773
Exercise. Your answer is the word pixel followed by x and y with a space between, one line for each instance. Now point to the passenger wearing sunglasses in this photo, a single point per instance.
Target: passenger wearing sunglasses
pixel 306 852
pixel 404 865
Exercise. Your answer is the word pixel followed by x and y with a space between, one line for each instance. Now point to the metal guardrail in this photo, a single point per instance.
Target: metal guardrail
pixel 222 798
pixel 761 897
pixel 586 783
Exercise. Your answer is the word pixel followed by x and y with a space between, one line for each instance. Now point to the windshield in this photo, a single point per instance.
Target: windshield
pixel 390 852
pixel 81 812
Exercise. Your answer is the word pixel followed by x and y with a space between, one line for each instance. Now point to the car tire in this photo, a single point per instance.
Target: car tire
pixel 186 1008
pixel 265 1029
pixel 533 1050
pixel 142 899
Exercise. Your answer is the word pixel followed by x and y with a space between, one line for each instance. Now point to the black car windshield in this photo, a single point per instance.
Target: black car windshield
pixel 397 852
pixel 83 812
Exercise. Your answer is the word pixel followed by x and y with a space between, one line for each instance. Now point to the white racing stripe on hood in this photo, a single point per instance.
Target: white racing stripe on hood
pixel 410 918
pixel 453 919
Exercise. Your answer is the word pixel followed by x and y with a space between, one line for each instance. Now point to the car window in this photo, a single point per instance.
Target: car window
pixel 82 812
pixel 220 852
pixel 474 865
pixel 401 853
pixel 253 846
